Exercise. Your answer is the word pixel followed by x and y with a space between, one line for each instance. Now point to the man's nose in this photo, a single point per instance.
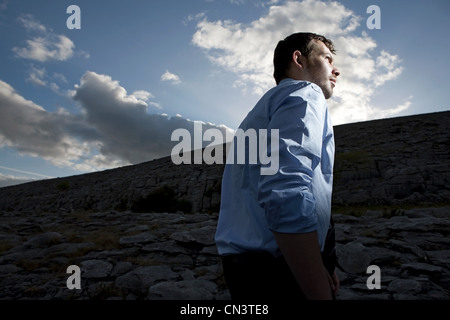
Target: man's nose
pixel 336 72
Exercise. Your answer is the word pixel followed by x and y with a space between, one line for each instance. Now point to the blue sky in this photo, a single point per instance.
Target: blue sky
pixel 111 93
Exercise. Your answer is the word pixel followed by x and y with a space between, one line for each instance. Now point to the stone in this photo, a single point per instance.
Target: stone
pixel 391 161
pixel 182 290
pixel 95 269
pixel 390 204
pixel 43 240
pixel 140 279
pixel 406 286
pixel 190 268
pixel 353 257
pixel 140 238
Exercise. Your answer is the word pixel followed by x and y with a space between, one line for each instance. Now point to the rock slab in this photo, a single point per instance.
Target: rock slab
pixel 172 256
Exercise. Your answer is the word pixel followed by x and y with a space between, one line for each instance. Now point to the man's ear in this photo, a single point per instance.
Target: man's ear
pixel 297 59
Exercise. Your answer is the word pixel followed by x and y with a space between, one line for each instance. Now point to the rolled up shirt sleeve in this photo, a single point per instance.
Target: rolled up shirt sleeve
pixel 287 196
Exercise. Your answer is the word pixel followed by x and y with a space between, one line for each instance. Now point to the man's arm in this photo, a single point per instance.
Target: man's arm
pixel 302 254
pixel 287 196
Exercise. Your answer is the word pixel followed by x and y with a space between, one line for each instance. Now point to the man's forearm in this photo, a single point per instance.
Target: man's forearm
pixel 302 254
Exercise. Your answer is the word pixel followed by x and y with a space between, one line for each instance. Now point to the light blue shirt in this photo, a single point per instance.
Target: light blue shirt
pixel 297 198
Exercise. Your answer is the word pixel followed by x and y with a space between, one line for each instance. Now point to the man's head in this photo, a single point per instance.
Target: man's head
pixel 309 57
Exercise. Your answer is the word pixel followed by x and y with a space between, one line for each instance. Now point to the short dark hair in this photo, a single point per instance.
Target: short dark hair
pixel 297 41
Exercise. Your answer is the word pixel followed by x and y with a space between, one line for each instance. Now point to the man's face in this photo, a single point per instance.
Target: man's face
pixel 319 68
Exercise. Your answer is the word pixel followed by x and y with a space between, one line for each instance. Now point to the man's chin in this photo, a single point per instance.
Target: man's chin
pixel 327 91
pixel 327 94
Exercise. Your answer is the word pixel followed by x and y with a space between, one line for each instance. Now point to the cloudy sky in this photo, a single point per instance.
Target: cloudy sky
pixel 112 92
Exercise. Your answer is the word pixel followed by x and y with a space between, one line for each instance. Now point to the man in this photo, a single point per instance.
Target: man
pixel 272 229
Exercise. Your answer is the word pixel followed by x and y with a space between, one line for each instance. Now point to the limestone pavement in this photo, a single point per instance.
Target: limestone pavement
pixel 172 256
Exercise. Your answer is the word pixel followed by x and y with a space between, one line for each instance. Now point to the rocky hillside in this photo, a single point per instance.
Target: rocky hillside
pixel 401 160
pixel 172 256
pixel 147 231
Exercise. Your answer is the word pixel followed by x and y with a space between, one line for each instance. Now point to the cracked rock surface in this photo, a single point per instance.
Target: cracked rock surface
pixel 172 256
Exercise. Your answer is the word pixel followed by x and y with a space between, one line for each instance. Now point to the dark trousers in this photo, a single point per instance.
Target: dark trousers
pixel 259 276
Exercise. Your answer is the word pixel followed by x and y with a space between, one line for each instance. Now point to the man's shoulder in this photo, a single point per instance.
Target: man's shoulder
pixel 291 87
pixel 300 94
pixel 307 90
pixel 287 90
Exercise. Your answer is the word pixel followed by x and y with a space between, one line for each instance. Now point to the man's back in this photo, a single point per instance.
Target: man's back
pixel 297 197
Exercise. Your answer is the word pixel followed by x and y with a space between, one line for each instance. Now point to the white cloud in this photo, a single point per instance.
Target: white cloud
pixel 46 48
pixel 393 111
pixel 168 76
pixel 128 132
pixel 247 50
pixel 113 129
pixel 60 77
pixel 11 180
pixel 45 45
pixel 39 77
pixel 33 131
pixel 193 17
pixel 4 5
pixel 36 76
pixel 25 172
pixel 391 64
pixel 30 23
pixel 143 95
